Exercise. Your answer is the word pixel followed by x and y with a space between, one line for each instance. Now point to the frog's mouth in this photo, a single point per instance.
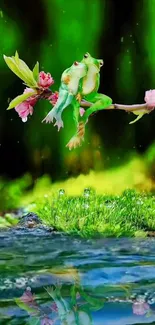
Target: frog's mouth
pixel 97 66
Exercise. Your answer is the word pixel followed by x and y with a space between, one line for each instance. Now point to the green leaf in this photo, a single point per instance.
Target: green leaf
pixel 36 72
pixel 73 292
pixel 19 99
pixel 24 306
pixel 13 66
pixel 17 57
pixel 20 68
pixel 95 302
pixel 27 73
pixel 34 321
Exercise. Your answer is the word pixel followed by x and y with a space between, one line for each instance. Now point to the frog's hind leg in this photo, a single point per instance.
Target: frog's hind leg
pixel 99 102
pixel 78 138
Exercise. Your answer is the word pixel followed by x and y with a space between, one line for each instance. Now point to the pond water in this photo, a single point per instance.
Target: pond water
pixel 99 281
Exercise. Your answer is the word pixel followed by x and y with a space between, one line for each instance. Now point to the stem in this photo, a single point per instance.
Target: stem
pixel 131 108
pixel 127 108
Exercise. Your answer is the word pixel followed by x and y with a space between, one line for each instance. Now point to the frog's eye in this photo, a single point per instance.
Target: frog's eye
pixel 76 63
pixel 101 63
pixel 86 55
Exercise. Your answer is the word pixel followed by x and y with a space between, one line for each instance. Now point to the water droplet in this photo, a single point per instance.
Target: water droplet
pixel 61 191
pixel 45 195
pixel 122 39
pixel 86 192
pixel 131 35
pixel 117 68
pixel 86 206
pixel 129 62
pixel 28 289
pixel 137 24
pixel 1 13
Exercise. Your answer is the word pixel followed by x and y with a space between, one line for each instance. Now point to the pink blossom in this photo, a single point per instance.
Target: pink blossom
pixel 140 308
pixel 33 99
pixel 24 109
pixel 27 297
pixel 47 321
pixel 53 98
pixel 45 80
pixel 54 307
pixel 82 111
pixel 150 98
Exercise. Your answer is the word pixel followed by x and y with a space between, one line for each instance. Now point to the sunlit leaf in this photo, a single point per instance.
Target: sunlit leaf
pixel 27 73
pixel 17 57
pixel 20 68
pixel 19 99
pixel 13 66
pixel 36 72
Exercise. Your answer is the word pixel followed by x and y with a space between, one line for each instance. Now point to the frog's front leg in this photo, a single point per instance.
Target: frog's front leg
pixel 64 100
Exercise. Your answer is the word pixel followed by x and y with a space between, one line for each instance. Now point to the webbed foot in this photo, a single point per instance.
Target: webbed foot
pixel 59 124
pixel 49 117
pixel 54 115
pixel 75 142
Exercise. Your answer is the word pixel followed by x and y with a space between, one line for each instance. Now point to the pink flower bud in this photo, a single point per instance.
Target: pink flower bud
pixel 45 80
pixel 150 98
pixel 140 308
pixel 53 98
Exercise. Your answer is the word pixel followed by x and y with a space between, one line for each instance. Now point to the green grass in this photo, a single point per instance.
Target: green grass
pixel 130 214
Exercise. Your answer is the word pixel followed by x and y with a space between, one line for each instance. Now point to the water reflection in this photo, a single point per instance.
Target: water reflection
pixel 76 281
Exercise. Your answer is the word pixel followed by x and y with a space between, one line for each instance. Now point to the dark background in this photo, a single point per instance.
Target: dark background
pixel 56 33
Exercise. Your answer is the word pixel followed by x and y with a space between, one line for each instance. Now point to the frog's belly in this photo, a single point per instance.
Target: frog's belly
pixel 88 87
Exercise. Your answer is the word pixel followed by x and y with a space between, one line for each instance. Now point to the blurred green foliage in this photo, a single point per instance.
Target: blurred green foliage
pixel 130 214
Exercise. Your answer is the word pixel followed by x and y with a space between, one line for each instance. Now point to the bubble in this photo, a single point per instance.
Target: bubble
pixel 21 282
pixel 61 191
